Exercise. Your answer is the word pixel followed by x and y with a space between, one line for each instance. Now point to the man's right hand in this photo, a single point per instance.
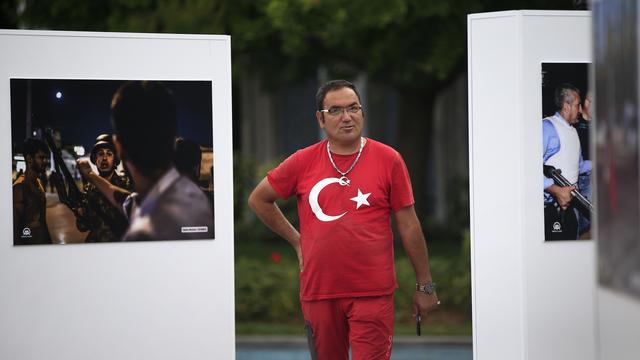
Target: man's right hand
pixel 562 194
pixel 84 166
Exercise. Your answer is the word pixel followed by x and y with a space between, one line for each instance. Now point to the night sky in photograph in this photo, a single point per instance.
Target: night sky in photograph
pixel 554 74
pixel 80 109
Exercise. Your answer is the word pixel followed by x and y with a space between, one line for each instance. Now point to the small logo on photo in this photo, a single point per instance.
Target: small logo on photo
pixel 557 227
pixel 194 229
pixel 26 232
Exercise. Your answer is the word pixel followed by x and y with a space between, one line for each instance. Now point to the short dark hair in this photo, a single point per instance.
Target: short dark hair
pixel 563 94
pixel 31 146
pixel 330 86
pixel 144 119
pixel 188 155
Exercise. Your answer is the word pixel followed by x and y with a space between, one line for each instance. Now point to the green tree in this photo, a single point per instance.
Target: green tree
pixel 8 14
pixel 416 46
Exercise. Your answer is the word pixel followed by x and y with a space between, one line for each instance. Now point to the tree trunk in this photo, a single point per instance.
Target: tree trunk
pixel 414 130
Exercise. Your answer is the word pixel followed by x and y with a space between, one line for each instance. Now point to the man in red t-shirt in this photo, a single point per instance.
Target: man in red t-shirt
pixel 347 187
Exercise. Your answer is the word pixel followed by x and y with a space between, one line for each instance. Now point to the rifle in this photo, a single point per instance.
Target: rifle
pixel 67 189
pixel 556 174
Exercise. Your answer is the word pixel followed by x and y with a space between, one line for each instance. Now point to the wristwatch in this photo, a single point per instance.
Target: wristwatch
pixel 428 288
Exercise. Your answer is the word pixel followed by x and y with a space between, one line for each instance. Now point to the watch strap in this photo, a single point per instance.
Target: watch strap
pixel 427 288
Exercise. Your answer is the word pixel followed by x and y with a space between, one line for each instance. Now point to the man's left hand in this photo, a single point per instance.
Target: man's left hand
pixel 424 303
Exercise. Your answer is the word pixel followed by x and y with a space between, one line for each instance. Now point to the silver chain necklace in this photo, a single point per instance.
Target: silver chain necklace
pixel 344 180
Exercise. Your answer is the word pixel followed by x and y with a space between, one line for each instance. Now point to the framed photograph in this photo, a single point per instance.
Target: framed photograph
pixel 566 123
pixel 55 123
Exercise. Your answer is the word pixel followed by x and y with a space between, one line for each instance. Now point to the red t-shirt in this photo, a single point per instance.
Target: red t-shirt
pixel 347 242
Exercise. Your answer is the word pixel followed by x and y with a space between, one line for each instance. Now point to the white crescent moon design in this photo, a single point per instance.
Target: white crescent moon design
pixel 313 199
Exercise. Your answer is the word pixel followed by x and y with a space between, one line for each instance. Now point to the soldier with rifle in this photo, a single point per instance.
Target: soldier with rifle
pixel 104 221
pixel 93 212
pixel 29 197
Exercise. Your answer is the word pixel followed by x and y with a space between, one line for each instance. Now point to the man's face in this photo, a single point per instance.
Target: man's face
pixel 104 161
pixel 38 162
pixel 573 109
pixel 344 126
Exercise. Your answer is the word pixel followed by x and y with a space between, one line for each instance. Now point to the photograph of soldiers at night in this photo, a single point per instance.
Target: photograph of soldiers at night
pixel 111 160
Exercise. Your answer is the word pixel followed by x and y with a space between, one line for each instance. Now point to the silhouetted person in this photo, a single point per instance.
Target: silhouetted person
pixel 166 205
pixel 188 157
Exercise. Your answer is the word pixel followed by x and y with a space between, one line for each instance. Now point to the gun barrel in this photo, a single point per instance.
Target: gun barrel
pixel 71 194
pixel 561 180
pixel 582 200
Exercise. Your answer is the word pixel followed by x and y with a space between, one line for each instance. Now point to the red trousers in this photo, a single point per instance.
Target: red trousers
pixel 364 323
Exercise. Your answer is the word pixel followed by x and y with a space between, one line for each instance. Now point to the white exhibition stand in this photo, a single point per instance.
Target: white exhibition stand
pixel 147 300
pixel 531 299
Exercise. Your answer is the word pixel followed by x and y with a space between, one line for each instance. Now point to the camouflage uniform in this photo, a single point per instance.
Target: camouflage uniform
pixel 29 213
pixel 104 222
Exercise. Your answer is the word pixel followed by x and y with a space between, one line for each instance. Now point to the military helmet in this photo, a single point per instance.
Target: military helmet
pixel 104 141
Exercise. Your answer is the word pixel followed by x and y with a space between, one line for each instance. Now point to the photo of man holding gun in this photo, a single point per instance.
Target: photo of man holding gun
pixel 562 165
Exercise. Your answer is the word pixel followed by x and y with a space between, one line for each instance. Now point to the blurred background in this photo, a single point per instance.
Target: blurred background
pixel 408 58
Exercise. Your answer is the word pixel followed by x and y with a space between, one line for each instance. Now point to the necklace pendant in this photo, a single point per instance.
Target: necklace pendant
pixel 344 181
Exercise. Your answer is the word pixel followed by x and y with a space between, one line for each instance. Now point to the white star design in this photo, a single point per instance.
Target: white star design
pixel 361 199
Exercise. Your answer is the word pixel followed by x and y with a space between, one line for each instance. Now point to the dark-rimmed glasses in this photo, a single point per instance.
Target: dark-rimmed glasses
pixel 337 110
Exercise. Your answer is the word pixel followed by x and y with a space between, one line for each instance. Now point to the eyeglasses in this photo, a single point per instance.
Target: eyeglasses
pixel 337 110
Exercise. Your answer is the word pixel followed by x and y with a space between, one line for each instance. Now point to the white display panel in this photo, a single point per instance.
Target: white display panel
pixel 151 300
pixel 531 299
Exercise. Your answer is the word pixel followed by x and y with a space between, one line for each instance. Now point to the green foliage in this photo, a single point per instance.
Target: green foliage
pixel 409 44
pixel 267 291
pixel 458 203
pixel 244 180
pixel 452 273
pixel 246 175
pixel 8 14
pixel 386 39
pixel 176 16
pixel 399 328
pixel 66 15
